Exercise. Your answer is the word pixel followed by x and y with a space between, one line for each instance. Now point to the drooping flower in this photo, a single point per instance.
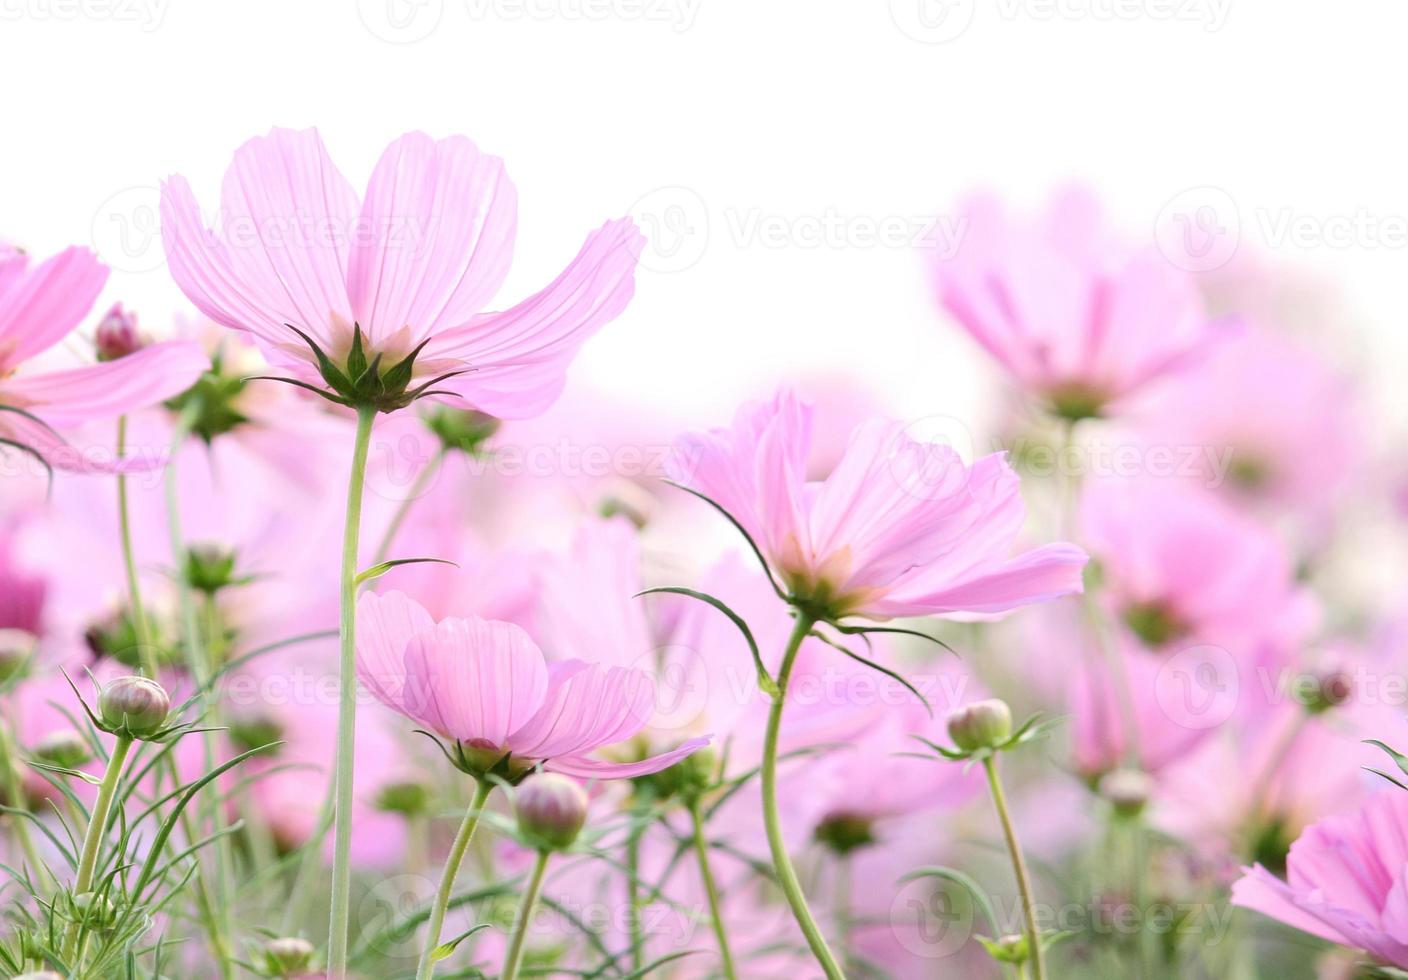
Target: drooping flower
pixel 1346 881
pixel 899 528
pixel 1080 319
pixel 486 686
pixel 380 300
pixel 39 305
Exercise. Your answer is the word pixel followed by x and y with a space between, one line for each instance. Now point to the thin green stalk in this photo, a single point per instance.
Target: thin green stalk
pixel 633 903
pixel 1019 868
pixel 14 789
pixel 97 827
pixel 416 491
pixel 514 957
pixel 426 968
pixel 339 920
pixel 711 888
pixel 786 875
pixel 146 653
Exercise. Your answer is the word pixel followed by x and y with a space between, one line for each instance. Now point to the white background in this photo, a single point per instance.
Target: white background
pixel 760 120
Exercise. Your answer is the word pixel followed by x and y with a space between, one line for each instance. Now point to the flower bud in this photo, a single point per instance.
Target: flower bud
pixel 208 568
pixel 551 810
pixel 16 649
pixel 97 910
pixel 1323 689
pixel 980 725
pixel 461 428
pixel 255 731
pixel 117 334
pixel 134 706
pixel 288 956
pixel 408 798
pixel 64 748
pixel 844 833
pixel 1127 790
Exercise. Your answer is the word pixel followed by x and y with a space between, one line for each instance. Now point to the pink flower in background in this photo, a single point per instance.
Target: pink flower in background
pixel 1182 566
pixel 1080 319
pixel 1346 881
pixel 411 265
pixel 1258 403
pixel 899 528
pixel 39 306
pixel 487 686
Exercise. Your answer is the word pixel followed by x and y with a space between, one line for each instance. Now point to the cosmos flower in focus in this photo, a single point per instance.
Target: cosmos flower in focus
pixel 486 686
pixel 1078 318
pixel 379 300
pixel 39 305
pixel 899 527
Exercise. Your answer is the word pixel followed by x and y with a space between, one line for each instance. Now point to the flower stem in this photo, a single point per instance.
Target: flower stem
pixel 514 957
pixel 633 902
pixel 786 875
pixel 417 490
pixel 14 792
pixel 145 652
pixel 426 968
pixel 711 888
pixel 97 826
pixel 347 708
pixel 1019 868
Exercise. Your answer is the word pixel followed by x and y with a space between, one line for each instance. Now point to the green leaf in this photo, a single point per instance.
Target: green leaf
pixel 88 778
pixel 380 569
pixel 980 897
pixel 892 674
pixel 446 948
pixel 765 680
pixel 867 630
pixel 356 357
pixel 767 569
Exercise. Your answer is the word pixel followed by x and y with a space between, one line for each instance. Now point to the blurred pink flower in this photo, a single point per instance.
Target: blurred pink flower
pixel 899 528
pixel 1346 881
pixel 412 265
pixel 487 686
pixel 1079 318
pixel 39 305
pixel 1181 565
pixel 1257 403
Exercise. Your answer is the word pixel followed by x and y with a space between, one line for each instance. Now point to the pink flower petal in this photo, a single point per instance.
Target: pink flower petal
pixel 385 625
pixel 435 238
pixel 111 388
pixel 40 305
pixel 584 768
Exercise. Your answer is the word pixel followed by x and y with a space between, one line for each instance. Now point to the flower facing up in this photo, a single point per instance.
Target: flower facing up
pixel 899 527
pixel 378 301
pixel 486 686
pixel 1080 320
pixel 1346 881
pixel 39 305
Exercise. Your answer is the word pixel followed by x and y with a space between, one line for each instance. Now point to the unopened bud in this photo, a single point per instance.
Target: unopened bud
pixel 117 334
pixel 1128 790
pixel 64 748
pixel 408 799
pixel 16 649
pixel 1323 689
pixel 288 956
pixel 96 910
pixel 981 725
pixel 551 810
pixel 135 707
pixel 461 428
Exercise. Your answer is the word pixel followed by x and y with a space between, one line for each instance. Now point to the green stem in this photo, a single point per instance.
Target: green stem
pixel 416 491
pixel 711 888
pixel 347 709
pixel 786 875
pixel 514 957
pixel 426 967
pixel 633 902
pixel 145 652
pixel 97 826
pixel 1019 868
pixel 14 789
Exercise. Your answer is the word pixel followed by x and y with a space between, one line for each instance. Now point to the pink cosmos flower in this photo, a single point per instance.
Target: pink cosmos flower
pixel 1346 881
pixel 487 686
pixel 1079 318
pixel 899 528
pixel 39 305
pixel 300 262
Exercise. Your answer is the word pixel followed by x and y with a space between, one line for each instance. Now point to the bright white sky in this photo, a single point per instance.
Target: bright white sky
pixel 750 128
